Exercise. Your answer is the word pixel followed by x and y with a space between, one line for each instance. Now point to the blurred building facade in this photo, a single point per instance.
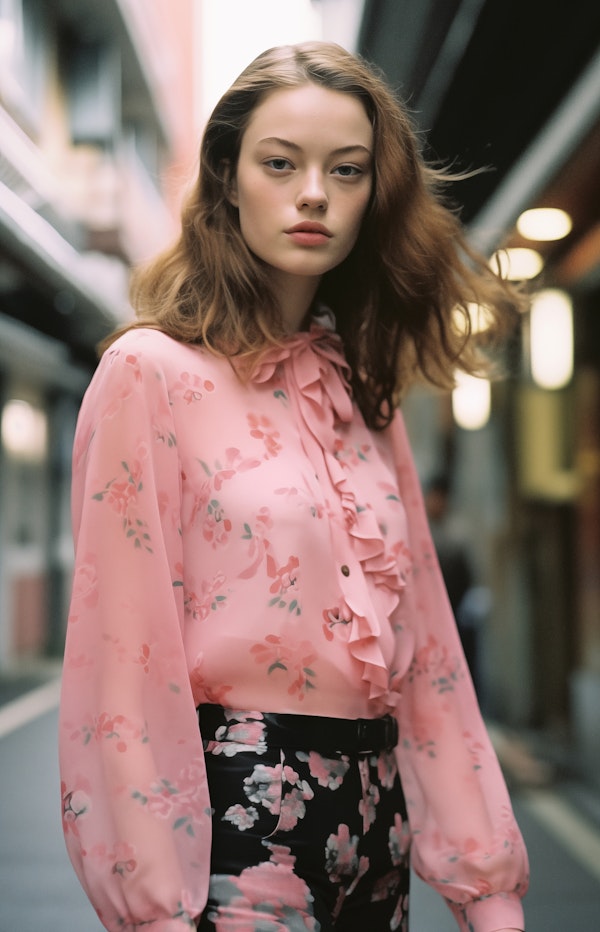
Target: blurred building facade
pixel 97 131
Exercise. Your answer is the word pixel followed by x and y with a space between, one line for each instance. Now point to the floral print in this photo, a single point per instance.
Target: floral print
pixel 295 660
pixel 251 541
pixel 269 894
pixel 303 814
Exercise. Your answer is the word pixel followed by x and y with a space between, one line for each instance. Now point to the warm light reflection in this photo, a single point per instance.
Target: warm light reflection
pixel 517 263
pixel 544 224
pixel 471 401
pixel 551 338
pixel 479 315
pixel 24 430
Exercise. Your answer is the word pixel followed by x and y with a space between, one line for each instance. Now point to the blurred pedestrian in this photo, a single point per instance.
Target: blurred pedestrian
pixel 257 613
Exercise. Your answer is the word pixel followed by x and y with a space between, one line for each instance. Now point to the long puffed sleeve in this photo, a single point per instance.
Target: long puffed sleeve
pixel 466 843
pixel 132 767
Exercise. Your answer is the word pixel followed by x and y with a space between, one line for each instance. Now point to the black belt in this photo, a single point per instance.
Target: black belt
pixel 312 732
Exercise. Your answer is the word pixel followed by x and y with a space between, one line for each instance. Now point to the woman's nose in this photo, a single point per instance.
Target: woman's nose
pixel 312 192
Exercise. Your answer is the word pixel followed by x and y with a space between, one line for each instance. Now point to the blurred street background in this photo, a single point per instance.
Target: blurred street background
pixel 102 104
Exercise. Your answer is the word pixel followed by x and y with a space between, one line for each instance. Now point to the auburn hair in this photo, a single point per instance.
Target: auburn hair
pixel 401 298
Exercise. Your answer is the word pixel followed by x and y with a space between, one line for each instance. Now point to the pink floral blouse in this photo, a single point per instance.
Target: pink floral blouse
pixel 255 545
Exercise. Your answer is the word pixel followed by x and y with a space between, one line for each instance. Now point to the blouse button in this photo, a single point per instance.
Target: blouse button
pixel 345 570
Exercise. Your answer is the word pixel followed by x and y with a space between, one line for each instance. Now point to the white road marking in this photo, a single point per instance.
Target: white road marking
pixel 27 708
pixel 570 828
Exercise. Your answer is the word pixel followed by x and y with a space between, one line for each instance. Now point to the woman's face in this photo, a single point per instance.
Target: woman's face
pixel 303 180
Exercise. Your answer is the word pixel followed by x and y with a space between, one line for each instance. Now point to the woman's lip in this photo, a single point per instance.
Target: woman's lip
pixel 307 227
pixel 308 237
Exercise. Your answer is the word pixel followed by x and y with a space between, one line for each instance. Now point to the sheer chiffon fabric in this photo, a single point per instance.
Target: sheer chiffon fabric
pixel 255 545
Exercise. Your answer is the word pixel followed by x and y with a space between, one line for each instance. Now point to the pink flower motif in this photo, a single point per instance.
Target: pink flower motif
pixel 117 729
pixel 264 786
pixel 261 428
pixel 386 886
pixel 329 772
pixel 351 455
pixel 75 803
pixel 121 495
pixel 434 660
pixel 270 891
pixel 284 576
pixel 368 806
pixel 85 583
pixel 144 657
pixel 192 387
pixel 399 921
pixel 258 543
pixel 339 614
pixel 341 854
pixel 241 817
pixel 216 527
pixel 387 770
pixel 293 805
pixel 205 692
pixel 210 598
pixel 160 804
pixel 248 733
pixel 296 660
pixel 133 361
pixel 399 840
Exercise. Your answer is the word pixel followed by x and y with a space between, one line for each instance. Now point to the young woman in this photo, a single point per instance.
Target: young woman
pixel 266 709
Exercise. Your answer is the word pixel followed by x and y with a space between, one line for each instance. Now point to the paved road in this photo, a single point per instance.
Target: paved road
pixel 39 891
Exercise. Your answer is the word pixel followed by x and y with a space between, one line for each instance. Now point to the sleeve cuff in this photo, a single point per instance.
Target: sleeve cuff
pixel 169 925
pixel 491 913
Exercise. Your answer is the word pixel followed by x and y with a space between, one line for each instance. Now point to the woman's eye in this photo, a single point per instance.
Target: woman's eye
pixel 278 164
pixel 347 171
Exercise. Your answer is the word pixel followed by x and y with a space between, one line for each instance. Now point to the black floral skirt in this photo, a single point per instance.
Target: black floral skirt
pixel 302 839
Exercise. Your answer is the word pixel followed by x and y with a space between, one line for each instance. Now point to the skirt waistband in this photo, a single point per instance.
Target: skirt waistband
pixel 307 732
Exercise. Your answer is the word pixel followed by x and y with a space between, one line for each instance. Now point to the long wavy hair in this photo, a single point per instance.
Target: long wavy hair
pixel 401 298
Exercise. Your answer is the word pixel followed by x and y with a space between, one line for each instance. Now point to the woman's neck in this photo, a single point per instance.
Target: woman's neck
pixel 295 297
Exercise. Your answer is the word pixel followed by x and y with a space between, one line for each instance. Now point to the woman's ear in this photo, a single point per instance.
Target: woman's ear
pixel 229 182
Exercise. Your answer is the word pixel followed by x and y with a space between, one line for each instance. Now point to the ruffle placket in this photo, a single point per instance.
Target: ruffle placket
pixel 316 376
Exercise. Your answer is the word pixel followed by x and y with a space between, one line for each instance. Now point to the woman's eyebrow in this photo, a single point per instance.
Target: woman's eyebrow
pixel 342 150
